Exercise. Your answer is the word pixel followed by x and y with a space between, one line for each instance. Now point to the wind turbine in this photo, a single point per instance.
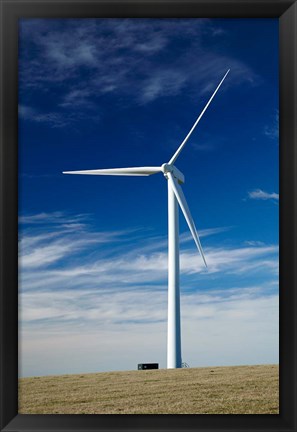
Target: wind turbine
pixel 175 196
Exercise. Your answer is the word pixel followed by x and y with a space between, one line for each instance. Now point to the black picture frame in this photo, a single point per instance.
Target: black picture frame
pixel 11 11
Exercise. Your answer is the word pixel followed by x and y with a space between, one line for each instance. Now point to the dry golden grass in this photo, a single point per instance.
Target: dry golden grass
pixel 216 390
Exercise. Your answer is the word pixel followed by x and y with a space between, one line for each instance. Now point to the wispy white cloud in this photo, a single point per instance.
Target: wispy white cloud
pixel 272 130
pixel 204 233
pixel 107 260
pixel 79 97
pixel 56 119
pixel 82 288
pixel 119 56
pixel 259 194
pixel 162 83
pixel 204 147
pixel 51 218
pixel 254 243
pixel 125 305
pixel 232 260
pixel 131 325
pixel 70 236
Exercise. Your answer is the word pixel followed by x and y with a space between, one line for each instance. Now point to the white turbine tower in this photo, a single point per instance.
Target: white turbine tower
pixel 175 197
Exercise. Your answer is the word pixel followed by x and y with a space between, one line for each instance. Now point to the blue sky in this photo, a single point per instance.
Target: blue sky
pixel 93 250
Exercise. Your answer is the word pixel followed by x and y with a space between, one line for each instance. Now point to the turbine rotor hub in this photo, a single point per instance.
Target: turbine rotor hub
pixel 168 168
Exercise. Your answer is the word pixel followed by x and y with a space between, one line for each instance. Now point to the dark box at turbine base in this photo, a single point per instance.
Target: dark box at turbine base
pixel 144 366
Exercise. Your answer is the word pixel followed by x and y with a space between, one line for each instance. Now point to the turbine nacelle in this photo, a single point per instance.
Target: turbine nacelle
pixel 169 168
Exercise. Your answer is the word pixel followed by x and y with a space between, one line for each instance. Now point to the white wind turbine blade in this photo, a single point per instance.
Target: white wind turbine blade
pixel 185 209
pixel 174 157
pixel 138 171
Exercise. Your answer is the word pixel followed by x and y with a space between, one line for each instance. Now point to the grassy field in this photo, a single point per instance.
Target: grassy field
pixel 216 390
